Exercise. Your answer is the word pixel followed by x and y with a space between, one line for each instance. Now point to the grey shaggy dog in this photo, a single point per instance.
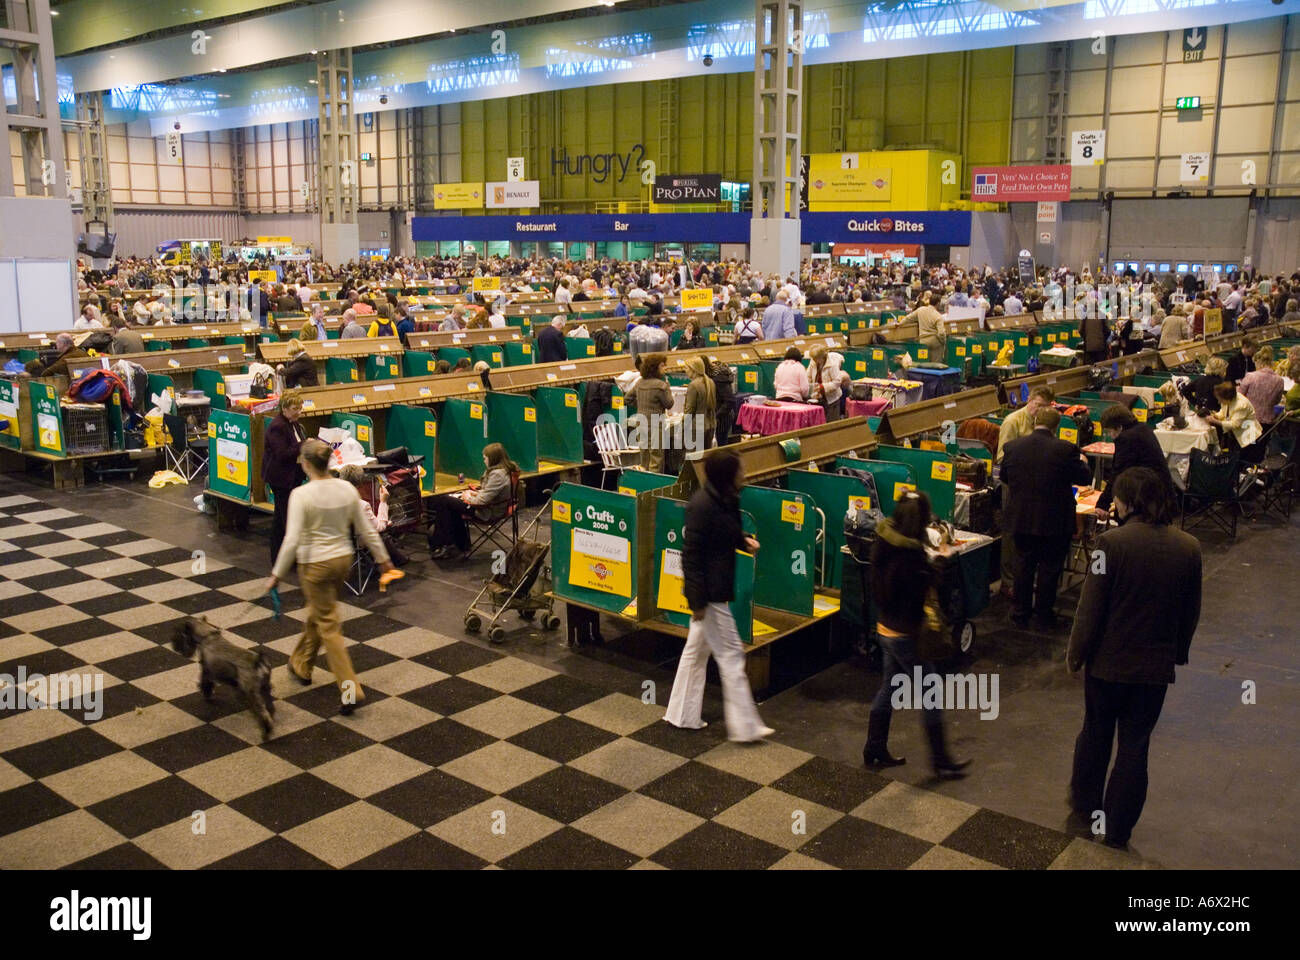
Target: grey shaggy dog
pixel 220 661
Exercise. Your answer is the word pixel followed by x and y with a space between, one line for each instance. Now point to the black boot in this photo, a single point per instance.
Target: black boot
pixel 945 766
pixel 881 760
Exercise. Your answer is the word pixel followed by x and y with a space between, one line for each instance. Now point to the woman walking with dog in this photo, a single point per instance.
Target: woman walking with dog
pixel 324 513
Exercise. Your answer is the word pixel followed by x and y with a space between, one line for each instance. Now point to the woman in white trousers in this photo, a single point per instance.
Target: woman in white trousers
pixel 712 537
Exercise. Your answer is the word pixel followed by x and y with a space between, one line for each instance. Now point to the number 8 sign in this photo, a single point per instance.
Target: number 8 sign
pixel 1088 148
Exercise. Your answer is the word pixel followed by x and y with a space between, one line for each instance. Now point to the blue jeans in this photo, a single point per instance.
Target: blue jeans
pixel 898 655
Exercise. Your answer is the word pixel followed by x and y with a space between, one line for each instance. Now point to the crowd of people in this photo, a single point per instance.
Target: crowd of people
pixel 1128 641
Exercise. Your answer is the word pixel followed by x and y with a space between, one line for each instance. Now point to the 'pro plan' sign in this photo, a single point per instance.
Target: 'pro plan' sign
pixel 696 188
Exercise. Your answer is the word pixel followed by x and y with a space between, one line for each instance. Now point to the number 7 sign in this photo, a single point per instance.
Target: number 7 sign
pixel 1195 168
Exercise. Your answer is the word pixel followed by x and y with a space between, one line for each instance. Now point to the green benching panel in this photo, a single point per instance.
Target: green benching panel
pixel 891 478
pixel 418 363
pixel 454 355
pixel 462 435
pixel 636 481
pixel 559 424
pixel 340 370
pixel 518 352
pixel 383 366
pixel 934 475
pixel 360 426
pixel 213 385
pixel 416 429
pixel 162 386
pixel 493 354
pixel 593 547
pixel 512 422
pixel 786 524
pixel 229 455
pixel 833 494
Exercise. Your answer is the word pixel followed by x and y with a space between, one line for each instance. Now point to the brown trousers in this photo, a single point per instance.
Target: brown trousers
pixel 320 587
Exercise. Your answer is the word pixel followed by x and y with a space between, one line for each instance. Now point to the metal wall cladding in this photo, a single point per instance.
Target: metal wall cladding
pixel 140 231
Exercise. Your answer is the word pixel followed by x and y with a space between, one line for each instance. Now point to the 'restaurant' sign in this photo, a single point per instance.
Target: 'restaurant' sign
pixel 694 188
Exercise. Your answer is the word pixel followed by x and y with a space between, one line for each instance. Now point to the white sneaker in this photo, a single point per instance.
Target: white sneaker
pixel 759 734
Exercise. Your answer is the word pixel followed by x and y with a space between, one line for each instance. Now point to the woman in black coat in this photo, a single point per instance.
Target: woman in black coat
pixel 901 577
pixel 713 534
pixel 300 371
pixel 280 467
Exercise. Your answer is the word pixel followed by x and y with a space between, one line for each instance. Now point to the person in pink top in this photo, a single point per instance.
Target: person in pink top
pixel 791 379
pixel 1263 387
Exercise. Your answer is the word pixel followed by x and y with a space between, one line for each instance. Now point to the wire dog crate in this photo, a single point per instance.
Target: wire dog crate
pixel 86 427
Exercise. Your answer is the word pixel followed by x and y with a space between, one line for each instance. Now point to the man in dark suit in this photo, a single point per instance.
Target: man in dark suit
pixel 1135 446
pixel 1039 471
pixel 1130 633
pixel 550 342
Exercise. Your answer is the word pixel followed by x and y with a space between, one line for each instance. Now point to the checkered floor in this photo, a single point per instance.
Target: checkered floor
pixel 461 758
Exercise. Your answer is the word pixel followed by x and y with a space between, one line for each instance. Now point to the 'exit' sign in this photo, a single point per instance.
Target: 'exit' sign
pixel 1188 103
pixel 367 157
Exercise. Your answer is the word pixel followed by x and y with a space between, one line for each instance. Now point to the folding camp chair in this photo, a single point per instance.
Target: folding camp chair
pixel 494 531
pixel 612 444
pixel 362 570
pixel 186 451
pixel 1275 476
pixel 1211 492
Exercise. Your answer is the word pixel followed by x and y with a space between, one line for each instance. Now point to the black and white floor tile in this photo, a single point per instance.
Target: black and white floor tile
pixel 463 757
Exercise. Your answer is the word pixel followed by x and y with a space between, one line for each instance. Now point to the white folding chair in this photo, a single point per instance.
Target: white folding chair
pixel 611 442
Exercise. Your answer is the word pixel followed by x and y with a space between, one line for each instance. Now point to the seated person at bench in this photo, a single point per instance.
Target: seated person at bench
pixel 488 500
pixel 66 350
pixel 791 379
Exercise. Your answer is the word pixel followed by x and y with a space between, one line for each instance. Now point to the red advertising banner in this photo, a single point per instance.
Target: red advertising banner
pixel 879 249
pixel 1010 184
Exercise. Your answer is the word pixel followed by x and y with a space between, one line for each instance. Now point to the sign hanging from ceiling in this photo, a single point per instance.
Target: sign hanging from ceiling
pixel 688 188
pixel 174 152
pixel 507 194
pixel 1011 184
pixel 457 196
pixel 1087 148
pixel 832 179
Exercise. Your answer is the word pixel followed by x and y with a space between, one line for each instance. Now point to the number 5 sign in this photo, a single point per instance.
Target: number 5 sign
pixel 1088 148
pixel 174 154
pixel 1195 168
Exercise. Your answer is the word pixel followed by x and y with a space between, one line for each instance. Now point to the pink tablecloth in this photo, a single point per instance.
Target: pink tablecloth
pixel 759 418
pixel 866 408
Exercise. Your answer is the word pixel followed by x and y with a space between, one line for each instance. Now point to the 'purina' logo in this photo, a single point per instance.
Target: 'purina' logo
pixel 73 914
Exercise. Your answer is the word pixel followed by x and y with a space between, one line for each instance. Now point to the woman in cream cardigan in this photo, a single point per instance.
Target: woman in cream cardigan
pixel 1238 426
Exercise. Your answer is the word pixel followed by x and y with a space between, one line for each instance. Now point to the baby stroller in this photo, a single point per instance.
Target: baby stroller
pixel 517 587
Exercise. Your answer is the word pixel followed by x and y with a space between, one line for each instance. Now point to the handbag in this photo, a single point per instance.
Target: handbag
pixel 934 641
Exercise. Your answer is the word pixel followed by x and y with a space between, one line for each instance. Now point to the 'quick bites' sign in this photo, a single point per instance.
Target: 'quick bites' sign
pixel 886 225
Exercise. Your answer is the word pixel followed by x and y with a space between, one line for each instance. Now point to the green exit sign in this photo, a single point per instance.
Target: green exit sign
pixel 1188 103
